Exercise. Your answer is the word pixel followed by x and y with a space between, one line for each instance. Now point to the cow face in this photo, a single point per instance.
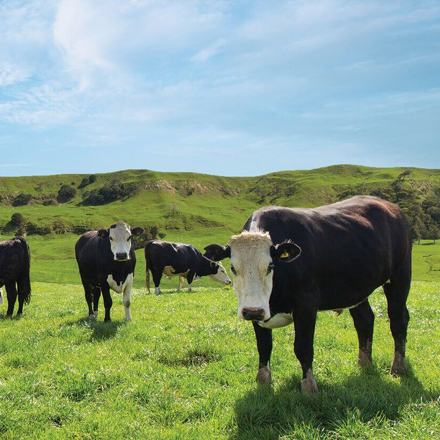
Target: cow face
pixel 120 235
pixel 253 257
pixel 220 273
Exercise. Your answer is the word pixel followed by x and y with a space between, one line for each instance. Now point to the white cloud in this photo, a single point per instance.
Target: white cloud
pixel 11 74
pixel 208 52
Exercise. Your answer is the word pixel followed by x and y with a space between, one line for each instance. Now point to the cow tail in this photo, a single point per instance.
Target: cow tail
pixel 24 283
pixel 147 271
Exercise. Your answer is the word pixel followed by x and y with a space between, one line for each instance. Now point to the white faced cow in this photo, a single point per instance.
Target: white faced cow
pixel 106 260
pixel 184 260
pixel 288 264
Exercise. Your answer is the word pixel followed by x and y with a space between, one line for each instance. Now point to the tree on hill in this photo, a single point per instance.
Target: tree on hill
pixel 66 193
pixel 22 199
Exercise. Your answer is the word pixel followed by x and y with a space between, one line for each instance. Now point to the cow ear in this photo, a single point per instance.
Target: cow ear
pixel 103 233
pixel 137 231
pixel 286 252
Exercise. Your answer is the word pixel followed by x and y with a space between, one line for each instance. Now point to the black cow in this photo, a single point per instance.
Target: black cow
pixel 216 252
pixel 179 259
pixel 291 263
pixel 106 260
pixel 15 260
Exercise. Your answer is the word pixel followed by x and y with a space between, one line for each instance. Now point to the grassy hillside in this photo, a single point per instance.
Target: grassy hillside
pixel 185 368
pixel 188 207
pixel 169 374
pixel 195 202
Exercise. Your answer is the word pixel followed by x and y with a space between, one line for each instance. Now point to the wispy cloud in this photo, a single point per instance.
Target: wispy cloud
pixel 284 78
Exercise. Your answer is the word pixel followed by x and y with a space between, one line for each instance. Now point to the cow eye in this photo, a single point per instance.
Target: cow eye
pixel 270 268
pixel 129 238
pixel 233 270
pixel 111 238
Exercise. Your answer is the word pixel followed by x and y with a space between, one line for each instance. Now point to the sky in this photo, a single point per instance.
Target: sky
pixel 222 87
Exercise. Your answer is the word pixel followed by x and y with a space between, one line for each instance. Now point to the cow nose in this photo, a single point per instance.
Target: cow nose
pixel 253 313
pixel 227 282
pixel 121 256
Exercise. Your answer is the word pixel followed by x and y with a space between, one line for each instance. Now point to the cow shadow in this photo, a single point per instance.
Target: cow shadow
pixel 99 330
pixel 269 414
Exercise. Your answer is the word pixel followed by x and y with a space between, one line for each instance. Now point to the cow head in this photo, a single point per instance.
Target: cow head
pixel 216 252
pixel 119 236
pixel 253 257
pixel 219 273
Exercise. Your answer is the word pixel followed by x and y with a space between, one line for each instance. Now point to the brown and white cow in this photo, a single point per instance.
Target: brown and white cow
pixel 288 264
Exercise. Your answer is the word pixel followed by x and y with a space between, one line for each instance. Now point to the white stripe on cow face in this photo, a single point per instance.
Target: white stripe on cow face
pixel 221 275
pixel 120 241
pixel 251 263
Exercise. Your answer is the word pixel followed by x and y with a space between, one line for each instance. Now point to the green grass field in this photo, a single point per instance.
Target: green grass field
pixel 185 367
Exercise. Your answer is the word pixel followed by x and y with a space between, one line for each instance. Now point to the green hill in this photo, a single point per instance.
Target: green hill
pixel 196 208
pixel 189 201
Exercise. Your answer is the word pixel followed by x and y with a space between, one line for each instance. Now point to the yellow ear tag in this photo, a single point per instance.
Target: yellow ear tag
pixel 285 255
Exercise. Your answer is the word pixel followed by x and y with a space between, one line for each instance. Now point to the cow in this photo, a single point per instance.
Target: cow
pixel 288 264
pixel 106 260
pixel 216 252
pixel 184 260
pixel 15 260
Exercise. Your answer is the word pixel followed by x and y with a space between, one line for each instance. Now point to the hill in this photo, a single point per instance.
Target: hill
pixel 196 208
pixel 191 202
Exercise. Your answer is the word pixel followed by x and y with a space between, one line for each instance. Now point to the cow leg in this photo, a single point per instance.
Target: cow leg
pixel 126 297
pixel 190 278
pixel 264 347
pixel 157 276
pixel 304 322
pixel 96 296
pixel 363 318
pixel 396 292
pixel 20 302
pixel 107 301
pixel 11 293
pixel 88 292
pixel 179 286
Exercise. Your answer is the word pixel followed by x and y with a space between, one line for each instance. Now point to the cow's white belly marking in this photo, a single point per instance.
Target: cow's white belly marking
pixel 121 286
pixel 276 321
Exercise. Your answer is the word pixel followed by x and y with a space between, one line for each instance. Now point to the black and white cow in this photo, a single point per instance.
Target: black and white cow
pixel 184 260
pixel 15 260
pixel 106 260
pixel 288 264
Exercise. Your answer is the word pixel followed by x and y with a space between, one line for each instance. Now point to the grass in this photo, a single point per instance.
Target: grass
pixel 185 368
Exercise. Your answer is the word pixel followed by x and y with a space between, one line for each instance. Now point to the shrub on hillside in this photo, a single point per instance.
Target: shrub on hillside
pixel 66 193
pixel 32 228
pixel 108 193
pixel 150 233
pixel 17 219
pixel 22 199
pixel 87 181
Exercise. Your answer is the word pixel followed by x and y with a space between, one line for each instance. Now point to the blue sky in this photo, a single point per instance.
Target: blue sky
pixel 222 87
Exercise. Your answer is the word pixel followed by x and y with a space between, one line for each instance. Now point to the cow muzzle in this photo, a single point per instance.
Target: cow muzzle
pixel 121 256
pixel 252 313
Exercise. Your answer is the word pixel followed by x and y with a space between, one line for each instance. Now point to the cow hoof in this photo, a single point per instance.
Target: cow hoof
pixel 399 366
pixel 92 316
pixel 364 359
pixel 264 376
pixel 308 385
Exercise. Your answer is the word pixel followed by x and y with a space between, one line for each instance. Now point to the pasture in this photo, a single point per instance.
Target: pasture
pixel 185 366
